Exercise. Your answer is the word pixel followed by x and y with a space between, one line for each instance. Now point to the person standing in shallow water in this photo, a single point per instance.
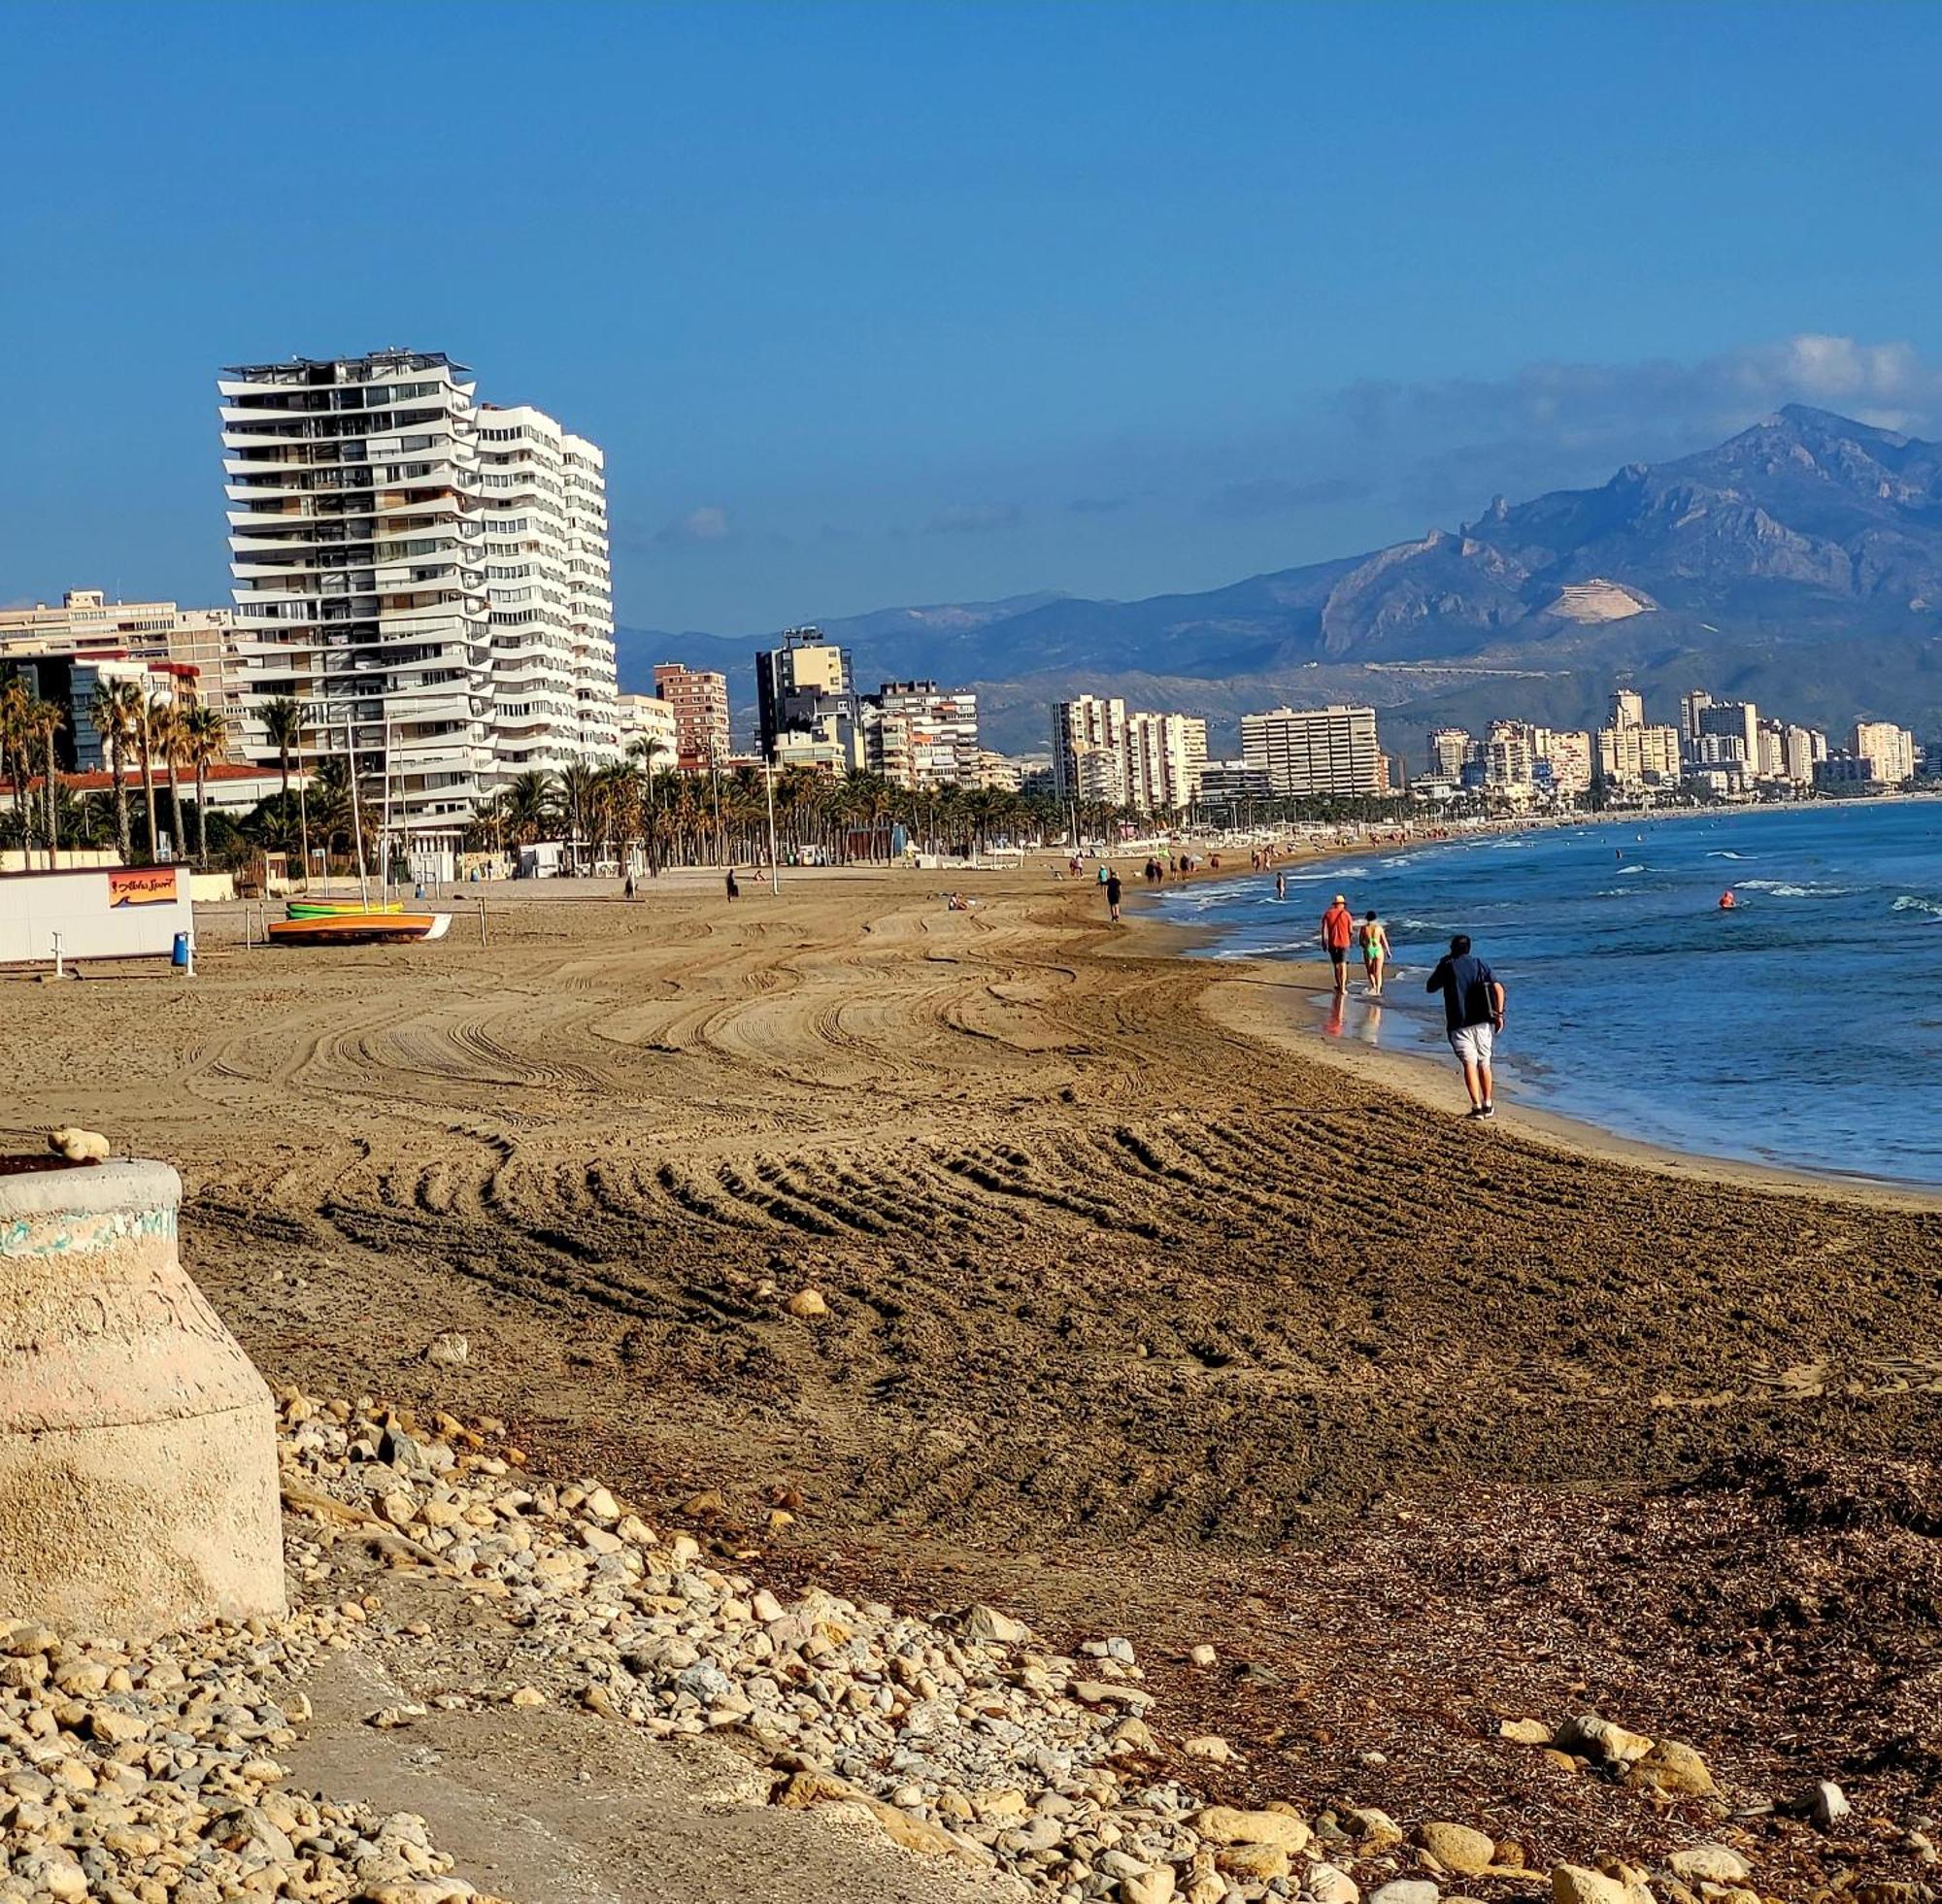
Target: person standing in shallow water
pixel 1473 1014
pixel 1113 890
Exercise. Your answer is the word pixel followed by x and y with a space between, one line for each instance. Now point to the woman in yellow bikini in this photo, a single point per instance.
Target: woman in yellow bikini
pixel 1375 942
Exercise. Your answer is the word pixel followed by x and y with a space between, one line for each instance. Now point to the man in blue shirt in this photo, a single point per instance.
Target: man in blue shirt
pixel 1473 1014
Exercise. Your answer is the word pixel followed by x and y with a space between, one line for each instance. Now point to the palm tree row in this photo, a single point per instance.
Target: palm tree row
pixel 723 819
pixel 181 734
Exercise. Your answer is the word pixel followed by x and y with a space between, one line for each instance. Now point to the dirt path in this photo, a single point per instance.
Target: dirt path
pixel 1137 1319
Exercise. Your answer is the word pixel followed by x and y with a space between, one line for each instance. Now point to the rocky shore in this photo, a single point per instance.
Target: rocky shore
pixel 140 1775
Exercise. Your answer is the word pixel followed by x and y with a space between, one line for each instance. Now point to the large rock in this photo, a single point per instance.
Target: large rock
pixel 1675 1768
pixel 1590 1736
pixel 1458 1848
pixel 1224 1824
pixel 1717 1864
pixel 138 1460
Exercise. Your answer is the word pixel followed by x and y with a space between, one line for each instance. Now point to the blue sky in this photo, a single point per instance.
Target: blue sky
pixel 882 304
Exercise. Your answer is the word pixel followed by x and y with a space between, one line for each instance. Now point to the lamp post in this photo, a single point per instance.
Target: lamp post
pixel 775 858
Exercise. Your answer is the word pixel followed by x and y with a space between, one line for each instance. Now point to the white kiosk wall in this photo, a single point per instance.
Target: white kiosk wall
pixel 116 912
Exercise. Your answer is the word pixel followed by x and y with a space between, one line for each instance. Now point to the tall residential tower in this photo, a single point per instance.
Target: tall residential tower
pixel 428 579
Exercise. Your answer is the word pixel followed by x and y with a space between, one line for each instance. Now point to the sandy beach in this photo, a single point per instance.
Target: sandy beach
pixel 1145 1315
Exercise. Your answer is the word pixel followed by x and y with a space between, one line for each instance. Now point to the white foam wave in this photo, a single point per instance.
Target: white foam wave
pixel 1724 855
pixel 1914 902
pixel 1787 889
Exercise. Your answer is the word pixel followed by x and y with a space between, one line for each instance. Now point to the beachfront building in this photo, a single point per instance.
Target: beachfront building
pixel 1735 724
pixel 699 700
pixel 1567 752
pixel 1165 753
pixel 648 732
pixel 1692 704
pixel 1509 759
pixel 1306 752
pixel 921 736
pixel 1089 724
pixel 807 686
pixel 1636 756
pixel 1802 748
pixel 1890 750
pixel 1628 708
pixel 456 633
pixel 544 512
pixel 1451 750
pixel 179 651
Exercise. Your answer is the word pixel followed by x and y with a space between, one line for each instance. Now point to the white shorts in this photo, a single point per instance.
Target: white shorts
pixel 1472 1042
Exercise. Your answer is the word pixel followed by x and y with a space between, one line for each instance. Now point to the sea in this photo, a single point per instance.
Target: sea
pixel 1801 1028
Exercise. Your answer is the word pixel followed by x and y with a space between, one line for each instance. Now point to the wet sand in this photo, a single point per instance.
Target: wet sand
pixel 1146 1316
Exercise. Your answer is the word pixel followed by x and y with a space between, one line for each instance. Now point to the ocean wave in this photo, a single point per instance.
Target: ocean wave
pixel 1631 869
pixel 1787 889
pixel 1914 902
pixel 1721 853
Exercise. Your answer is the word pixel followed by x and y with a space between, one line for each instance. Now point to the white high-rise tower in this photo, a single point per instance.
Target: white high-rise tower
pixel 457 629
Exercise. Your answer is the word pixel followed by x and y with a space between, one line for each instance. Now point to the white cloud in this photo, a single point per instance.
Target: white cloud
pixel 707 523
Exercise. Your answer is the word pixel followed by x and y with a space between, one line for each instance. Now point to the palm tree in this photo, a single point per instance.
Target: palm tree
pixel 145 743
pixel 204 733
pixel 283 719
pixel 116 711
pixel 166 718
pixel 16 748
pixel 576 798
pixel 48 717
pixel 527 801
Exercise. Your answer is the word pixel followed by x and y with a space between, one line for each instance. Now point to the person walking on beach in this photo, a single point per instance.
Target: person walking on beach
pixel 1473 1014
pixel 1375 952
pixel 734 884
pixel 1338 928
pixel 1113 897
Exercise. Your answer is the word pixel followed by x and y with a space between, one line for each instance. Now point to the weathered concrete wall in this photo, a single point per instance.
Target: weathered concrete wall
pixel 138 1461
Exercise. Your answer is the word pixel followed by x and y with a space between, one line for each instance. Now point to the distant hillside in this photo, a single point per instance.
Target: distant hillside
pixel 1798 564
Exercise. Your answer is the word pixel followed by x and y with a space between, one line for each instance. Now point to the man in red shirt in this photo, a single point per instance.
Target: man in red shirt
pixel 1338 930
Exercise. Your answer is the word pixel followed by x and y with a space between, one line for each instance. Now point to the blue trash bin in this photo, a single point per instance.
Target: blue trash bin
pixel 178 959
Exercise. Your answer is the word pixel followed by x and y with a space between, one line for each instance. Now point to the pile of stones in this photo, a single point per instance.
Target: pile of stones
pixel 152 1773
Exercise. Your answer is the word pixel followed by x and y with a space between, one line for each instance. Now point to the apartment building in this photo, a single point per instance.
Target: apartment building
pixel 362 537
pixel 1089 726
pixel 1567 751
pixel 805 686
pixel 181 652
pixel 1890 749
pixel 699 699
pixel 1450 748
pixel 1314 751
pixel 1166 754
pixel 921 736
pixel 544 512
pixel 648 731
pixel 1636 756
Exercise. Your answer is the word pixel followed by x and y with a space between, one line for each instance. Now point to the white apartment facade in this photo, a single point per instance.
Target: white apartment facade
pixel 1095 727
pixel 362 538
pixel 1315 751
pixel 648 731
pixel 1166 754
pixel 1890 749
pixel 545 513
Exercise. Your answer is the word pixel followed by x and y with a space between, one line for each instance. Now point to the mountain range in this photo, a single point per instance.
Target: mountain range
pixel 1797 564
